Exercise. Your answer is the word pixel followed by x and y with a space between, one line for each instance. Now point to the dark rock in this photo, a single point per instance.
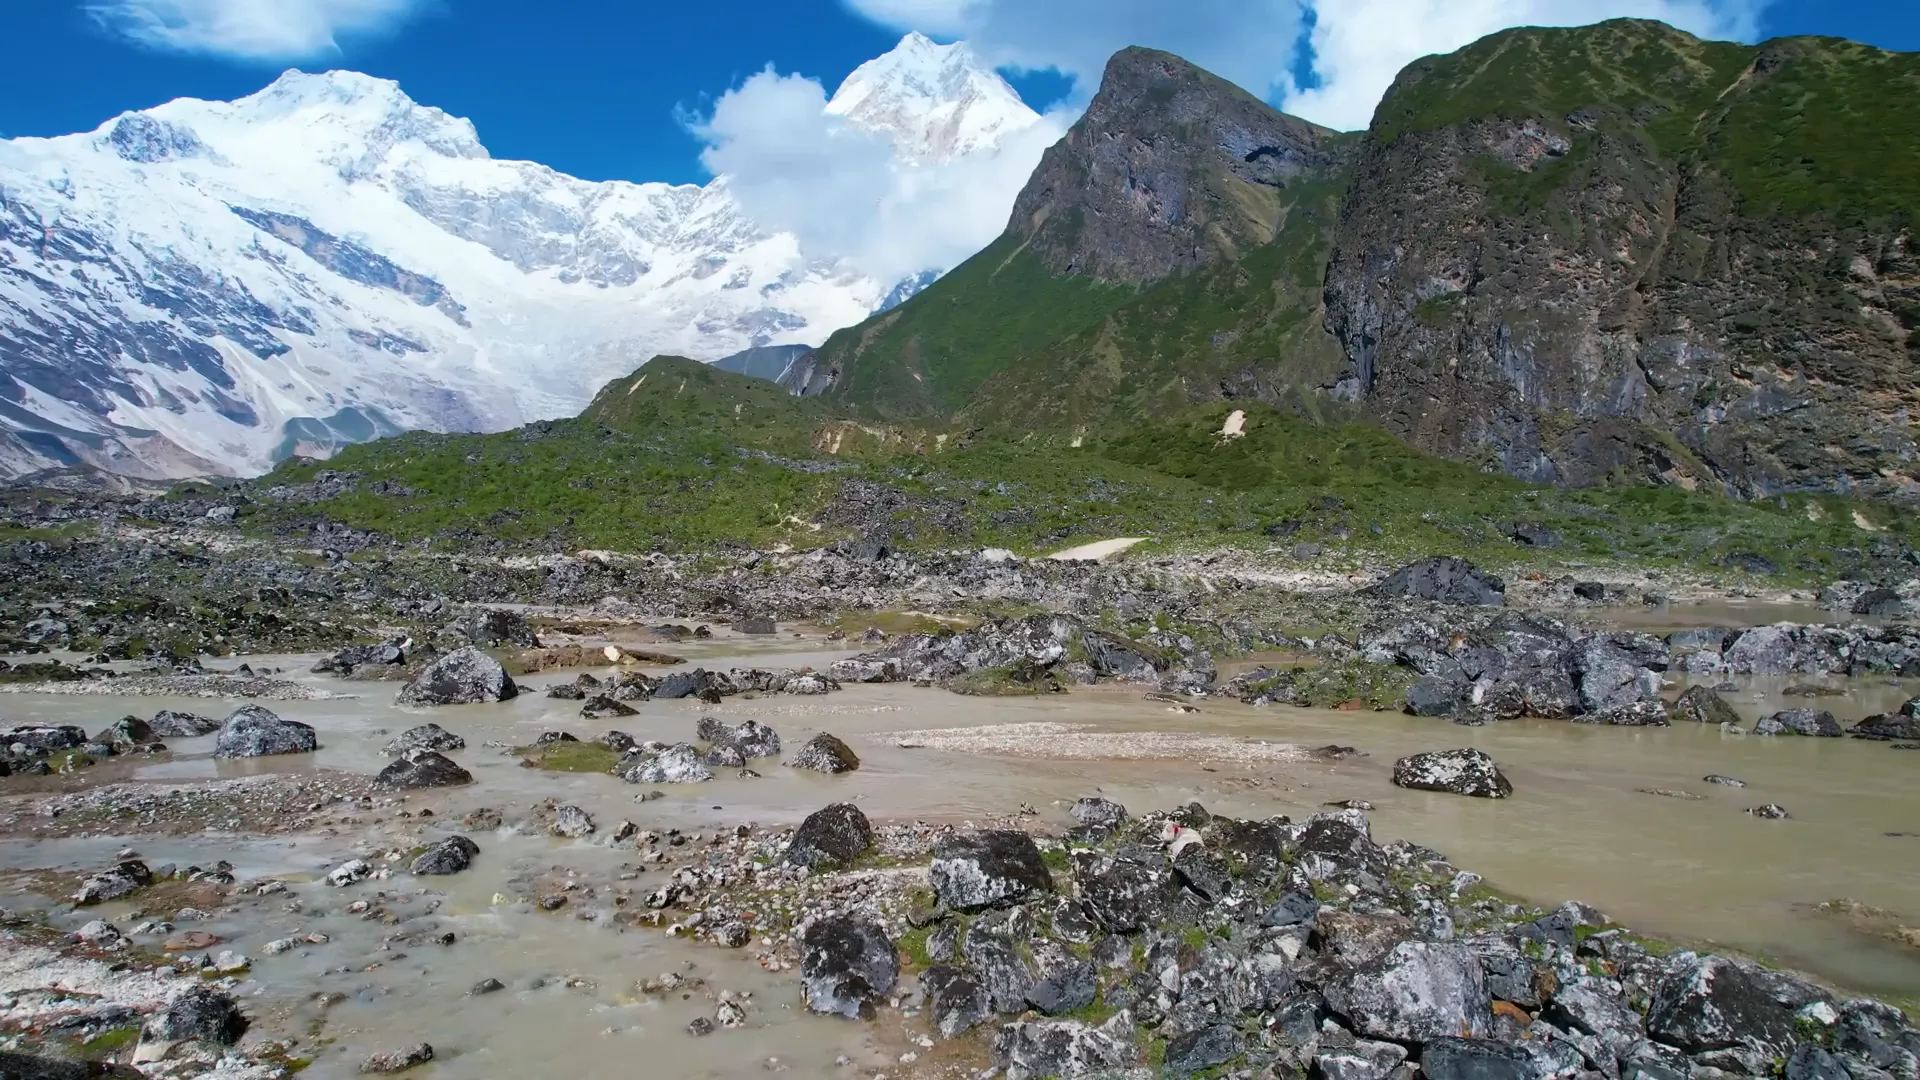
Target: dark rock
pixel 846 964
pixel 1194 1051
pixel 725 755
pixel 1708 1003
pixel 830 838
pixel 1701 704
pixel 1449 1058
pixel 1063 983
pixel 824 753
pixel 127 734
pixel 393 1061
pixel 1444 579
pixel 1723 781
pixel 1751 563
pixel 617 741
pixel 424 737
pixel 956 999
pixel 1433 696
pixel 461 677
pixel 1530 535
pixel 602 707
pixel 196 1012
pixel 169 724
pixel 30 1067
pixel 1818 723
pixel 1097 814
pixel 44 738
pixel 1771 812
pixel 491 628
pixel 1292 909
pixel 1810 1062
pixel 1353 937
pixel 486 986
pixel 991 868
pixel 126 877
pixel 997 948
pixel 1032 1049
pixel 1123 894
pixel 448 856
pixel 752 738
pixel 255 731
pixel 1887 728
pixel 424 769
pixel 755 625
pixel 1460 772
pixel 1416 991
pixel 1879 602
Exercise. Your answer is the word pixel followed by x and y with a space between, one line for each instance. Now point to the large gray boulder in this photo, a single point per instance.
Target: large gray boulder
pixel 1029 1049
pixel 1417 990
pixel 956 999
pixel 256 731
pixel 490 628
pixel 423 769
pixel 825 753
pixel 846 964
pixel 194 1013
pixel 423 737
pixel 1460 772
pixel 1701 704
pixel 1715 1003
pixel 171 724
pixel 462 677
pixel 1818 723
pixel 830 838
pixel 990 868
pixel 1451 1058
pixel 1447 580
pixel 448 856
pixel 680 763
pixel 43 738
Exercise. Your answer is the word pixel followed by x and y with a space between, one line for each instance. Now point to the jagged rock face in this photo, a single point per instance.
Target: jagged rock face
pixel 1544 264
pixel 1170 168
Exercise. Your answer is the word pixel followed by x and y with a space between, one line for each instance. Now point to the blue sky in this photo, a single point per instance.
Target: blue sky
pixel 602 88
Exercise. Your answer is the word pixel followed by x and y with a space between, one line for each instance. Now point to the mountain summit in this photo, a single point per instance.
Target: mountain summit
pixel 209 286
pixel 938 102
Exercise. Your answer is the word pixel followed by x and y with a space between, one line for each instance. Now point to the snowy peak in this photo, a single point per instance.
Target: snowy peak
pixel 937 102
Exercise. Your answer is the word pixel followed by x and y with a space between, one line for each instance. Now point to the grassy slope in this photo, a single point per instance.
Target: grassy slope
pixel 1797 126
pixel 926 357
pixel 646 478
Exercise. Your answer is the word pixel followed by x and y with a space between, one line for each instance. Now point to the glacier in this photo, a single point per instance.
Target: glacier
pixel 207 287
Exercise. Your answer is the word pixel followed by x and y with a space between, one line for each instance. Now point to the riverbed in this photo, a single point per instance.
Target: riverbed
pixel 1582 824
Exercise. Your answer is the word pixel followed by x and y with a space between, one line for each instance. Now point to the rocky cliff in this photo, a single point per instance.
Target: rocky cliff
pixel 1621 251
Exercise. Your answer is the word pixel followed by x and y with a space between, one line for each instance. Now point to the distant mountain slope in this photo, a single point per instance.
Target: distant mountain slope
pixel 206 287
pixel 1621 250
pixel 770 362
pixel 1574 255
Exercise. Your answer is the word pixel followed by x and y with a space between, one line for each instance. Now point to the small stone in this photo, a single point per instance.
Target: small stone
pixel 397 1060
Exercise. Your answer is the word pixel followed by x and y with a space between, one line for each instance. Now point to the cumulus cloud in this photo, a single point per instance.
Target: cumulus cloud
pixel 1246 41
pixel 844 191
pixel 1357 46
pixel 266 30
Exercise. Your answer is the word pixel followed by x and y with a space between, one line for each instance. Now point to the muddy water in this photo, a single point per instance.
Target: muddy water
pixel 1578 826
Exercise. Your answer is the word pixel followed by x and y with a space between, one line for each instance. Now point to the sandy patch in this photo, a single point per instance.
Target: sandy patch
pixel 1081 742
pixel 1097 550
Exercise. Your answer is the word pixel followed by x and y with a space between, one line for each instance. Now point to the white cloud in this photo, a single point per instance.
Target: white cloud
pixel 249 29
pixel 846 194
pixel 1246 41
pixel 1358 45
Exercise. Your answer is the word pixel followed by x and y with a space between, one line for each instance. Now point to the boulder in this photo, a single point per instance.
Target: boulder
pixel 1451 1058
pixel 1888 727
pixel 1365 1059
pixel 1098 815
pixel 755 624
pixel 998 949
pixel 1123 894
pixel 863 669
pixel 991 868
pixel 423 737
pixel 570 822
pixel 677 764
pixel 846 964
pixel 1813 722
pixel 194 1013
pixel 492 628
pixel 1354 938
pixel 1416 991
pixel 462 677
pixel 1030 1049
pixel 424 769
pixel 256 731
pixel 170 724
pixel 1460 772
pixel 1063 983
pixel 1446 580
pixel 32 1067
pixel 753 738
pixel 1192 1052
pixel 1706 1003
pixel 824 753
pixel 44 738
pixel 1879 602
pixel 602 707
pixel 1702 705
pixel 725 755
pixel 956 1000
pixel 830 838
pixel 127 734
pixel 448 856
pixel 1434 696
pixel 126 877
pixel 395 1061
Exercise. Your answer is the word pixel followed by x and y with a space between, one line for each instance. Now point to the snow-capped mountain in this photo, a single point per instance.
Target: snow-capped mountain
pixel 205 287
pixel 938 102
